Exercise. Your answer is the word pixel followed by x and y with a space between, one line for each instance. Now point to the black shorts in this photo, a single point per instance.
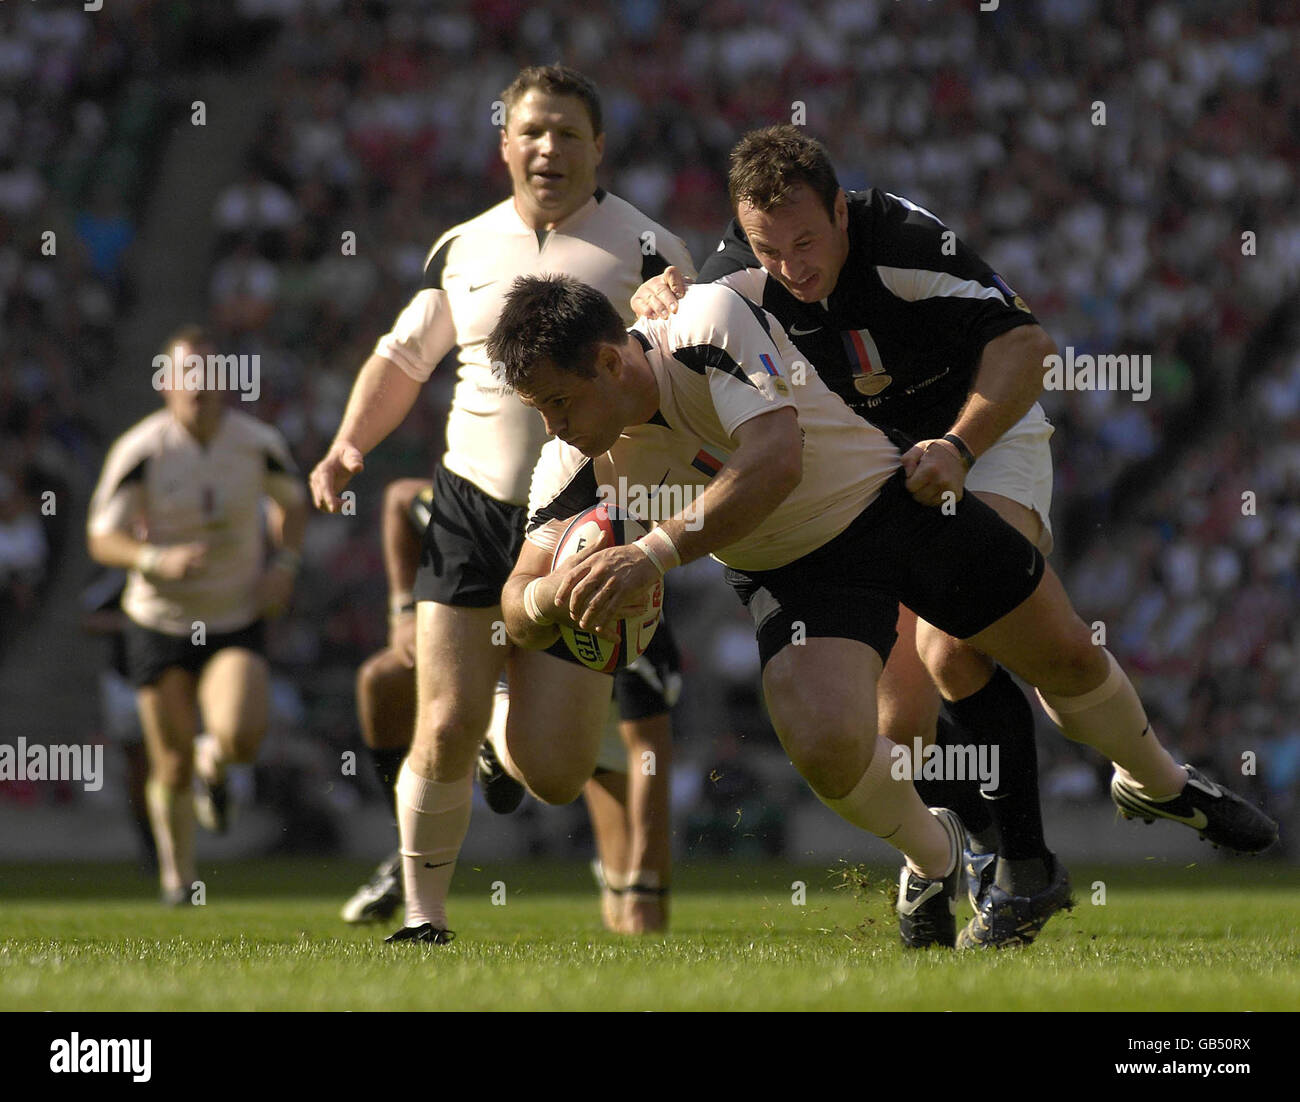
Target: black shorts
pixel 149 653
pixel 651 685
pixel 470 545
pixel 960 572
pixel 648 687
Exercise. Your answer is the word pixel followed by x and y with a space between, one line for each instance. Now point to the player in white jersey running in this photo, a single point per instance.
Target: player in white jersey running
pixel 809 513
pixel 180 506
pixel 557 220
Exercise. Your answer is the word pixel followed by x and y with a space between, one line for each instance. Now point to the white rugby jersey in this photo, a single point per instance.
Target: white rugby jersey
pixel 721 361
pixel 161 484
pixel 492 438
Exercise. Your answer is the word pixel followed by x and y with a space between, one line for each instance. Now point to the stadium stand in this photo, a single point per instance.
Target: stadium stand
pixel 1120 221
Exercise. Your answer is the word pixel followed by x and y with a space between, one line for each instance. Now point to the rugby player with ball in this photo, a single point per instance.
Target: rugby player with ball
pixel 822 541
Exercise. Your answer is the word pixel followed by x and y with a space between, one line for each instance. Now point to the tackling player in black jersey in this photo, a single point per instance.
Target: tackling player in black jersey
pixel 921 337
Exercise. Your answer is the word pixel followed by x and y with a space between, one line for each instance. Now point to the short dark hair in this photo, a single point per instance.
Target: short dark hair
pixel 768 164
pixel 551 319
pixel 556 80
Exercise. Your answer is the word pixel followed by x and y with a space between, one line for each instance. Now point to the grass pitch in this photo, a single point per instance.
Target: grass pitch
pixel 1219 936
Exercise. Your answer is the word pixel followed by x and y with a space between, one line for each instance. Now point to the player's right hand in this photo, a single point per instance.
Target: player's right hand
pixel 603 585
pixel 657 297
pixel 333 473
pixel 180 561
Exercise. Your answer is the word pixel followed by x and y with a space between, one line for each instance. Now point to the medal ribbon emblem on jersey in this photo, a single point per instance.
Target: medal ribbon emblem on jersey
pixel 1014 298
pixel 864 361
pixel 778 383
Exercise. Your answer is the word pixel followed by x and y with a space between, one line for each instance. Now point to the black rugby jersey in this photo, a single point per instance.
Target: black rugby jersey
pixel 900 337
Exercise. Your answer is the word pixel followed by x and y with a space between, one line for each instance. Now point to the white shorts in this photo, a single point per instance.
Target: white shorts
pixel 1019 466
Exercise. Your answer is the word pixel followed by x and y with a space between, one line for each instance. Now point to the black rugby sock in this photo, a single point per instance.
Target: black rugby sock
pixel 999 715
pixel 962 797
pixel 1028 877
pixel 388 763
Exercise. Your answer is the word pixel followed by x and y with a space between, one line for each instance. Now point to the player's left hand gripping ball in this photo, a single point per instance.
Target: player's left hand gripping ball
pixel 617 591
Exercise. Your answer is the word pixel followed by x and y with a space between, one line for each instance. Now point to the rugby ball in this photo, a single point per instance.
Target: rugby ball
pixel 606 653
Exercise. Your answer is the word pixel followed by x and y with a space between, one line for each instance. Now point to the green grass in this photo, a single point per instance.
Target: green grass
pixel 1213 937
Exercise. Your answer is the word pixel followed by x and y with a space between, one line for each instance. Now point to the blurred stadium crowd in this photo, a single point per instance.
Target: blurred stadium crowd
pixel 1124 237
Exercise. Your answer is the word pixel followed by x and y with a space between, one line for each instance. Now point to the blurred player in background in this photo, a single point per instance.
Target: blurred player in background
pixel 179 505
pixel 556 219
pixel 923 339
pixel 630 827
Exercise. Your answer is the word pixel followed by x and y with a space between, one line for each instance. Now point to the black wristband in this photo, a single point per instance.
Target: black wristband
pixel 962 450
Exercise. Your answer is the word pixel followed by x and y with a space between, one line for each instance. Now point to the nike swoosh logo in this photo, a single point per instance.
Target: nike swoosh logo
pixel 480 286
pixel 804 332
pixel 437 866
pixel 932 889
pixel 1196 822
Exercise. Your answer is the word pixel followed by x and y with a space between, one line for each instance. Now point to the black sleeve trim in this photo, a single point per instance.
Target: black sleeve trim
pixel 578 495
pixel 652 264
pixel 274 466
pixel 700 357
pixel 134 475
pixel 437 264
pixel 759 313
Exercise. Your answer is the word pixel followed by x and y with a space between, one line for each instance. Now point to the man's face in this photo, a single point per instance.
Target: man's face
pixel 552 155
pixel 583 412
pixel 798 243
pixel 199 411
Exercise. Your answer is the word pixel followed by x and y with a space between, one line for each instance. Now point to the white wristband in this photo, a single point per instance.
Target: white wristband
pixel 659 549
pixel 531 608
pixel 146 559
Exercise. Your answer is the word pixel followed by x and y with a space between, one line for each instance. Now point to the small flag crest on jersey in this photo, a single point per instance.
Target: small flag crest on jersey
pixel 707 462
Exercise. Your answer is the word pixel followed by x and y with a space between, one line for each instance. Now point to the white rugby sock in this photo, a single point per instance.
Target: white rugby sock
pixel 496 733
pixel 891 810
pixel 1111 719
pixel 171 814
pixel 433 819
pixel 208 762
